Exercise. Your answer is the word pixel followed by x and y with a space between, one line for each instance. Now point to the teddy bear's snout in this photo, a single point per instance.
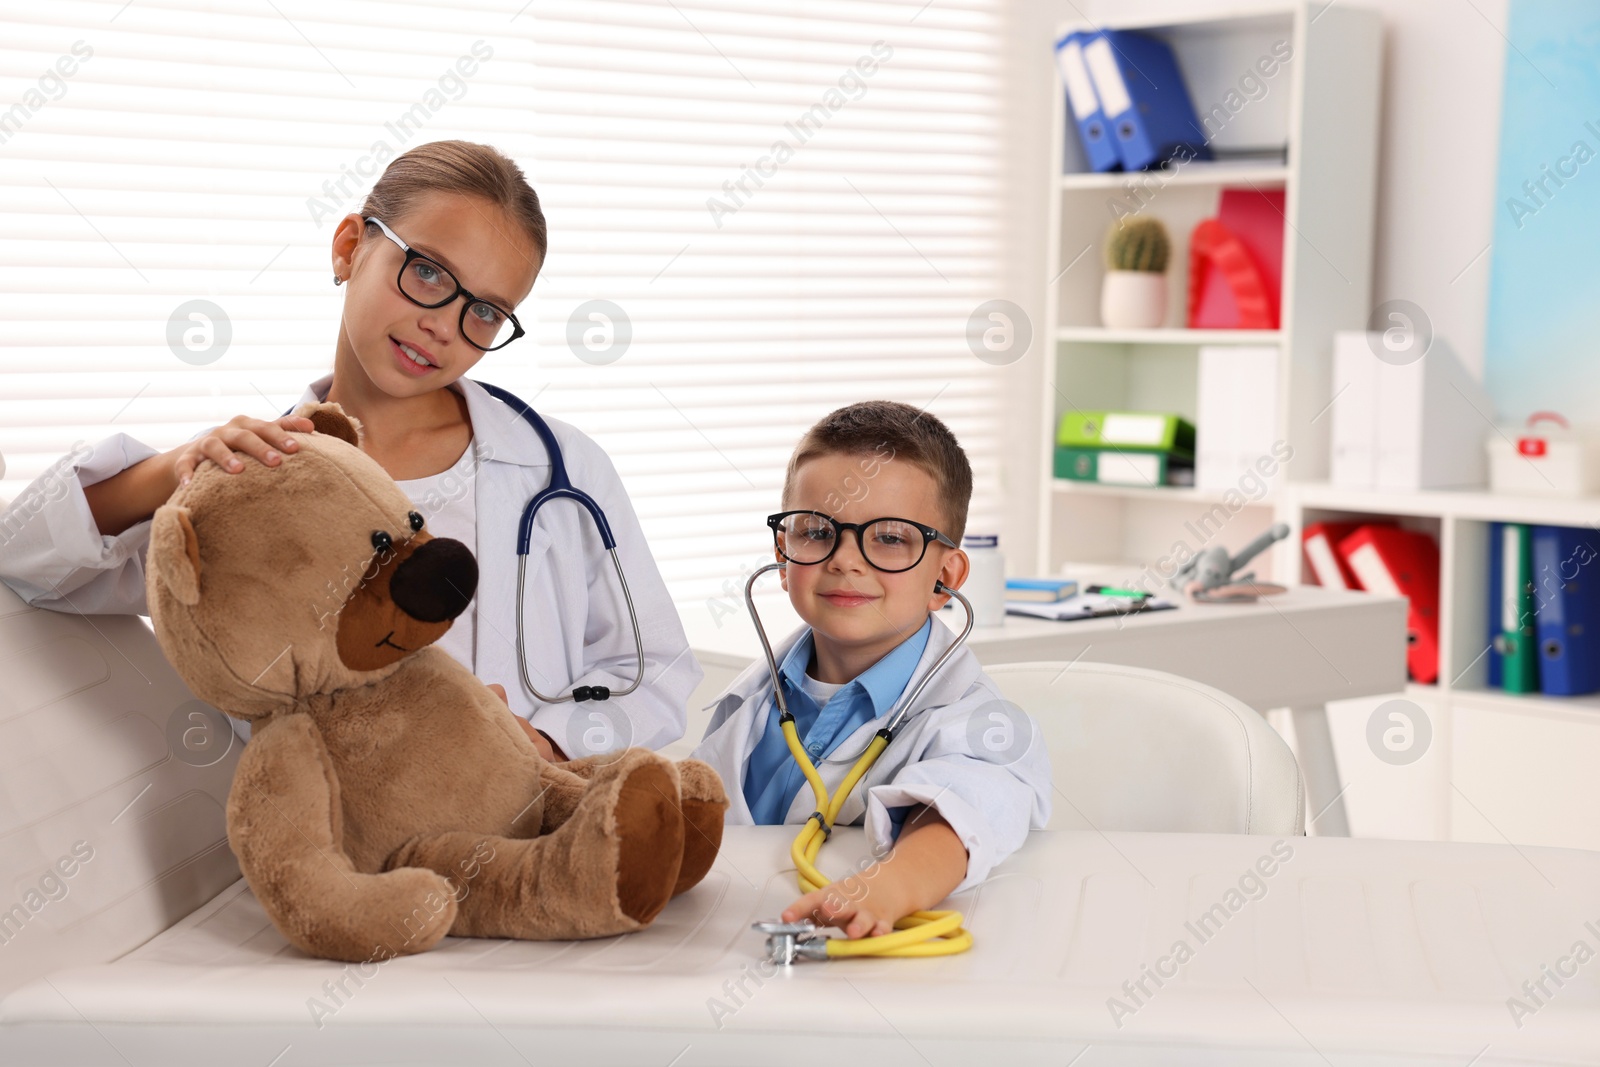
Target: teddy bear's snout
pixel 436 582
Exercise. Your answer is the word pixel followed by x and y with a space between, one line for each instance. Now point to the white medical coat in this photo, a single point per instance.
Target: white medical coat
pixel 977 760
pixel 53 556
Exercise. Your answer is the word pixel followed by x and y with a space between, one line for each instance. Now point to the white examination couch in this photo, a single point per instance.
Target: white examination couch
pixel 127 938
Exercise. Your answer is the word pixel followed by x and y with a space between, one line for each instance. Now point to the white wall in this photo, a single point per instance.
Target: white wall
pixel 1441 116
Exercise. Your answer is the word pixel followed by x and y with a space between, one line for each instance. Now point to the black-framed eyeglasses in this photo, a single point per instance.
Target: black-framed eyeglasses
pixel 484 324
pixel 889 545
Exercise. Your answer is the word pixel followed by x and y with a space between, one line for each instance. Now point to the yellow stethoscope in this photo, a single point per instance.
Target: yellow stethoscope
pixel 922 933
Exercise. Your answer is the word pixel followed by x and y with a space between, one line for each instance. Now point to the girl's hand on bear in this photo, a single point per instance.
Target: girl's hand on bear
pixel 253 437
pixel 546 747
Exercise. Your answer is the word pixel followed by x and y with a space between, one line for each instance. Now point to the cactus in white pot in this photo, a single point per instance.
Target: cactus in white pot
pixel 1134 293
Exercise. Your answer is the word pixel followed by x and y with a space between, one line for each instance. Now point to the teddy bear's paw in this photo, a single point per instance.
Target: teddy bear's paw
pixel 629 812
pixel 420 907
pixel 649 830
pixel 702 801
pixel 562 786
pixel 704 804
pixel 397 913
pixel 609 869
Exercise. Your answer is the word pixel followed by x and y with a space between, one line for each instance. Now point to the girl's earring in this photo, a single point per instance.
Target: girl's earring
pixel 337 280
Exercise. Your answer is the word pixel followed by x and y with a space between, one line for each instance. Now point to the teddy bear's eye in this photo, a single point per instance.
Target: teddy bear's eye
pixel 416 520
pixel 382 541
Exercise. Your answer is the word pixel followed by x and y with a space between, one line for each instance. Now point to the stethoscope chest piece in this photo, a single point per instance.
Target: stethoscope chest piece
pixel 787 942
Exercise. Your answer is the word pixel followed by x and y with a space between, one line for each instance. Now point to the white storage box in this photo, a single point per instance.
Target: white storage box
pixel 1545 458
pixel 1401 427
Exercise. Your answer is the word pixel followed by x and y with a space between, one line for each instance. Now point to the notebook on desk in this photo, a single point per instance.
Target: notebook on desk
pixel 1089 606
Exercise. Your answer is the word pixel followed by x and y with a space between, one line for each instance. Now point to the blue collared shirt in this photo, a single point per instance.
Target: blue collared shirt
pixel 771 776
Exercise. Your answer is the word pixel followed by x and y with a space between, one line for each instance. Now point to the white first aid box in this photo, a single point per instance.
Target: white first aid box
pixel 1544 458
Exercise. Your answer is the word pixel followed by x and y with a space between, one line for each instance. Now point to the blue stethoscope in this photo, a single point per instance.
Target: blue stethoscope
pixel 561 487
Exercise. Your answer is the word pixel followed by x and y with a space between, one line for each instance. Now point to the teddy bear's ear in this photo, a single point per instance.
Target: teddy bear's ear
pixel 332 420
pixel 175 551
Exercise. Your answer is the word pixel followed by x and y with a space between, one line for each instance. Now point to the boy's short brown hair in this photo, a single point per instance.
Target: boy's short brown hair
pixel 889 431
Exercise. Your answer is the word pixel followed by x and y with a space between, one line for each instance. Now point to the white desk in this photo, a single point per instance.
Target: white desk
pixel 1352 951
pixel 1295 651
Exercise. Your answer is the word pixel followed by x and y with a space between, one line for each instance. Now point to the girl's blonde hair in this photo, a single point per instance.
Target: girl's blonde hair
pixel 458 167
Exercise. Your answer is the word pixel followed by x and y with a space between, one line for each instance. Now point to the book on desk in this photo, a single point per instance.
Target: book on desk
pixel 1089 605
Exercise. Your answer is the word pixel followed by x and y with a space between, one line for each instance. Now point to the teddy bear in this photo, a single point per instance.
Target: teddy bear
pixel 386 797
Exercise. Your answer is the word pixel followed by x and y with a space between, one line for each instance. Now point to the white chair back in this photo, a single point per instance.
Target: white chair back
pixel 1135 749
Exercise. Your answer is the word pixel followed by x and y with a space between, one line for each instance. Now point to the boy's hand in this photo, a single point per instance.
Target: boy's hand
pixel 927 862
pixel 547 748
pixel 862 905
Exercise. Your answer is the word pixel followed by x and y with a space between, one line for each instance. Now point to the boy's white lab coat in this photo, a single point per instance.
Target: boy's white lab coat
pixel 577 628
pixel 980 762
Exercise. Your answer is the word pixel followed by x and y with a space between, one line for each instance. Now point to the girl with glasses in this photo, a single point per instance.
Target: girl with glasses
pixel 446 246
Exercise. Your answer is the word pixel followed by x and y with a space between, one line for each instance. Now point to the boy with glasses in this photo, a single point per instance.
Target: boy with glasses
pixel 875 502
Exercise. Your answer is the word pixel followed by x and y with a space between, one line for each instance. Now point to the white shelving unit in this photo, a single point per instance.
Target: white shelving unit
pixel 1102 335
pixel 1502 766
pixel 1499 766
pixel 1198 173
pixel 1321 106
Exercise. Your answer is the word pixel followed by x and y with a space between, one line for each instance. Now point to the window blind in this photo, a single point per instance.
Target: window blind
pixel 759 210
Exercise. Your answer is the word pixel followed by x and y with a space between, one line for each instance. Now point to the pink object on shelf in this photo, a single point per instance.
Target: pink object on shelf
pixel 1236 263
